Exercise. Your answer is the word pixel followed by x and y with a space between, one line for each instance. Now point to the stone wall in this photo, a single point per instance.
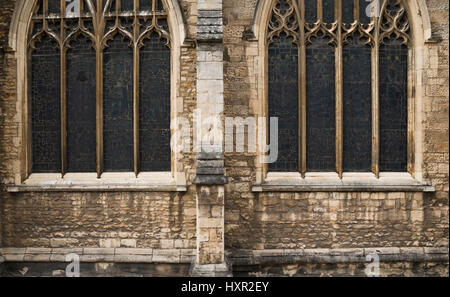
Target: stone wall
pixel 253 221
pixel 313 220
pixel 93 219
pixel 151 220
pixel 8 122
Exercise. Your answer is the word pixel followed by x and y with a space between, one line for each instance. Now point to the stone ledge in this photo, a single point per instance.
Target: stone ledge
pixel 89 255
pixel 345 255
pixel 109 182
pixel 350 182
pixel 342 188
pixel 99 188
pixel 238 257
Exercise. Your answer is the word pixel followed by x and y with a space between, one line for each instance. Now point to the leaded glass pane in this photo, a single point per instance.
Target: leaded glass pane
pixel 393 106
pixel 159 5
pixel 347 11
pixel 81 106
pixel 283 100
pixel 39 8
pixel 154 106
pixel 364 17
pixel 311 11
pixel 320 107
pixel 357 145
pixel 127 5
pixel 145 4
pixel 118 105
pixel 54 6
pixel 328 11
pixel 45 106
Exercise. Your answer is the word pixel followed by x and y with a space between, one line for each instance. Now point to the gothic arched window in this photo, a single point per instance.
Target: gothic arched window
pixel 338 83
pixel 99 85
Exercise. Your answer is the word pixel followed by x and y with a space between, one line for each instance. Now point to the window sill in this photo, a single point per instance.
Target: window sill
pixel 109 182
pixel 350 182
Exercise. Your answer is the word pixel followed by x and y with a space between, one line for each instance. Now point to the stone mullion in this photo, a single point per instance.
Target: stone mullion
pixel 136 62
pixel 339 89
pixel 319 10
pixel 99 83
pixel 44 14
pixel 302 86
pixel 375 99
pixel 411 111
pixel 63 75
pixel 356 10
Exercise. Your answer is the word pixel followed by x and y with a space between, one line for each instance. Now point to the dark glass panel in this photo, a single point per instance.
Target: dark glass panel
pixel 127 23
pixel 54 6
pixel 163 24
pixel 154 106
pixel 283 100
pixel 81 106
pixel 55 26
pixel 127 5
pixel 311 11
pixel 393 107
pixel 283 6
pixel 357 146
pixel 85 7
pixel 160 6
pixel 320 107
pixel 347 11
pixel 363 17
pixel 36 27
pixel 111 23
pixel 39 7
pixel 145 5
pixel 328 11
pixel 46 107
pixel 118 106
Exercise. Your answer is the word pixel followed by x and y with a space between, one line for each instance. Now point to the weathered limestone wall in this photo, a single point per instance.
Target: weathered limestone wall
pixel 74 219
pixel 325 220
pixel 253 221
pixel 8 122
pixel 109 220
pixel 436 107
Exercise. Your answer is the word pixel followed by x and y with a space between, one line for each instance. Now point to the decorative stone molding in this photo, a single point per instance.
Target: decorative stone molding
pixel 18 43
pixel 330 182
pixel 345 255
pixel 94 255
pixel 24 8
pixel 418 26
pixel 109 182
pixel 237 257
pixel 421 15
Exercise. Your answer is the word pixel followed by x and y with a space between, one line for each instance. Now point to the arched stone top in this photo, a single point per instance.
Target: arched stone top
pixel 418 13
pixel 23 13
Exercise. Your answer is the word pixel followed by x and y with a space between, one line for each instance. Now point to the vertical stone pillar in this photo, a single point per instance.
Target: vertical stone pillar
pixel 210 178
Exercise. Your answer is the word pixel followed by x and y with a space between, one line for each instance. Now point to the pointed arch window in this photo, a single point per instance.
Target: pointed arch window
pixel 100 86
pixel 338 83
